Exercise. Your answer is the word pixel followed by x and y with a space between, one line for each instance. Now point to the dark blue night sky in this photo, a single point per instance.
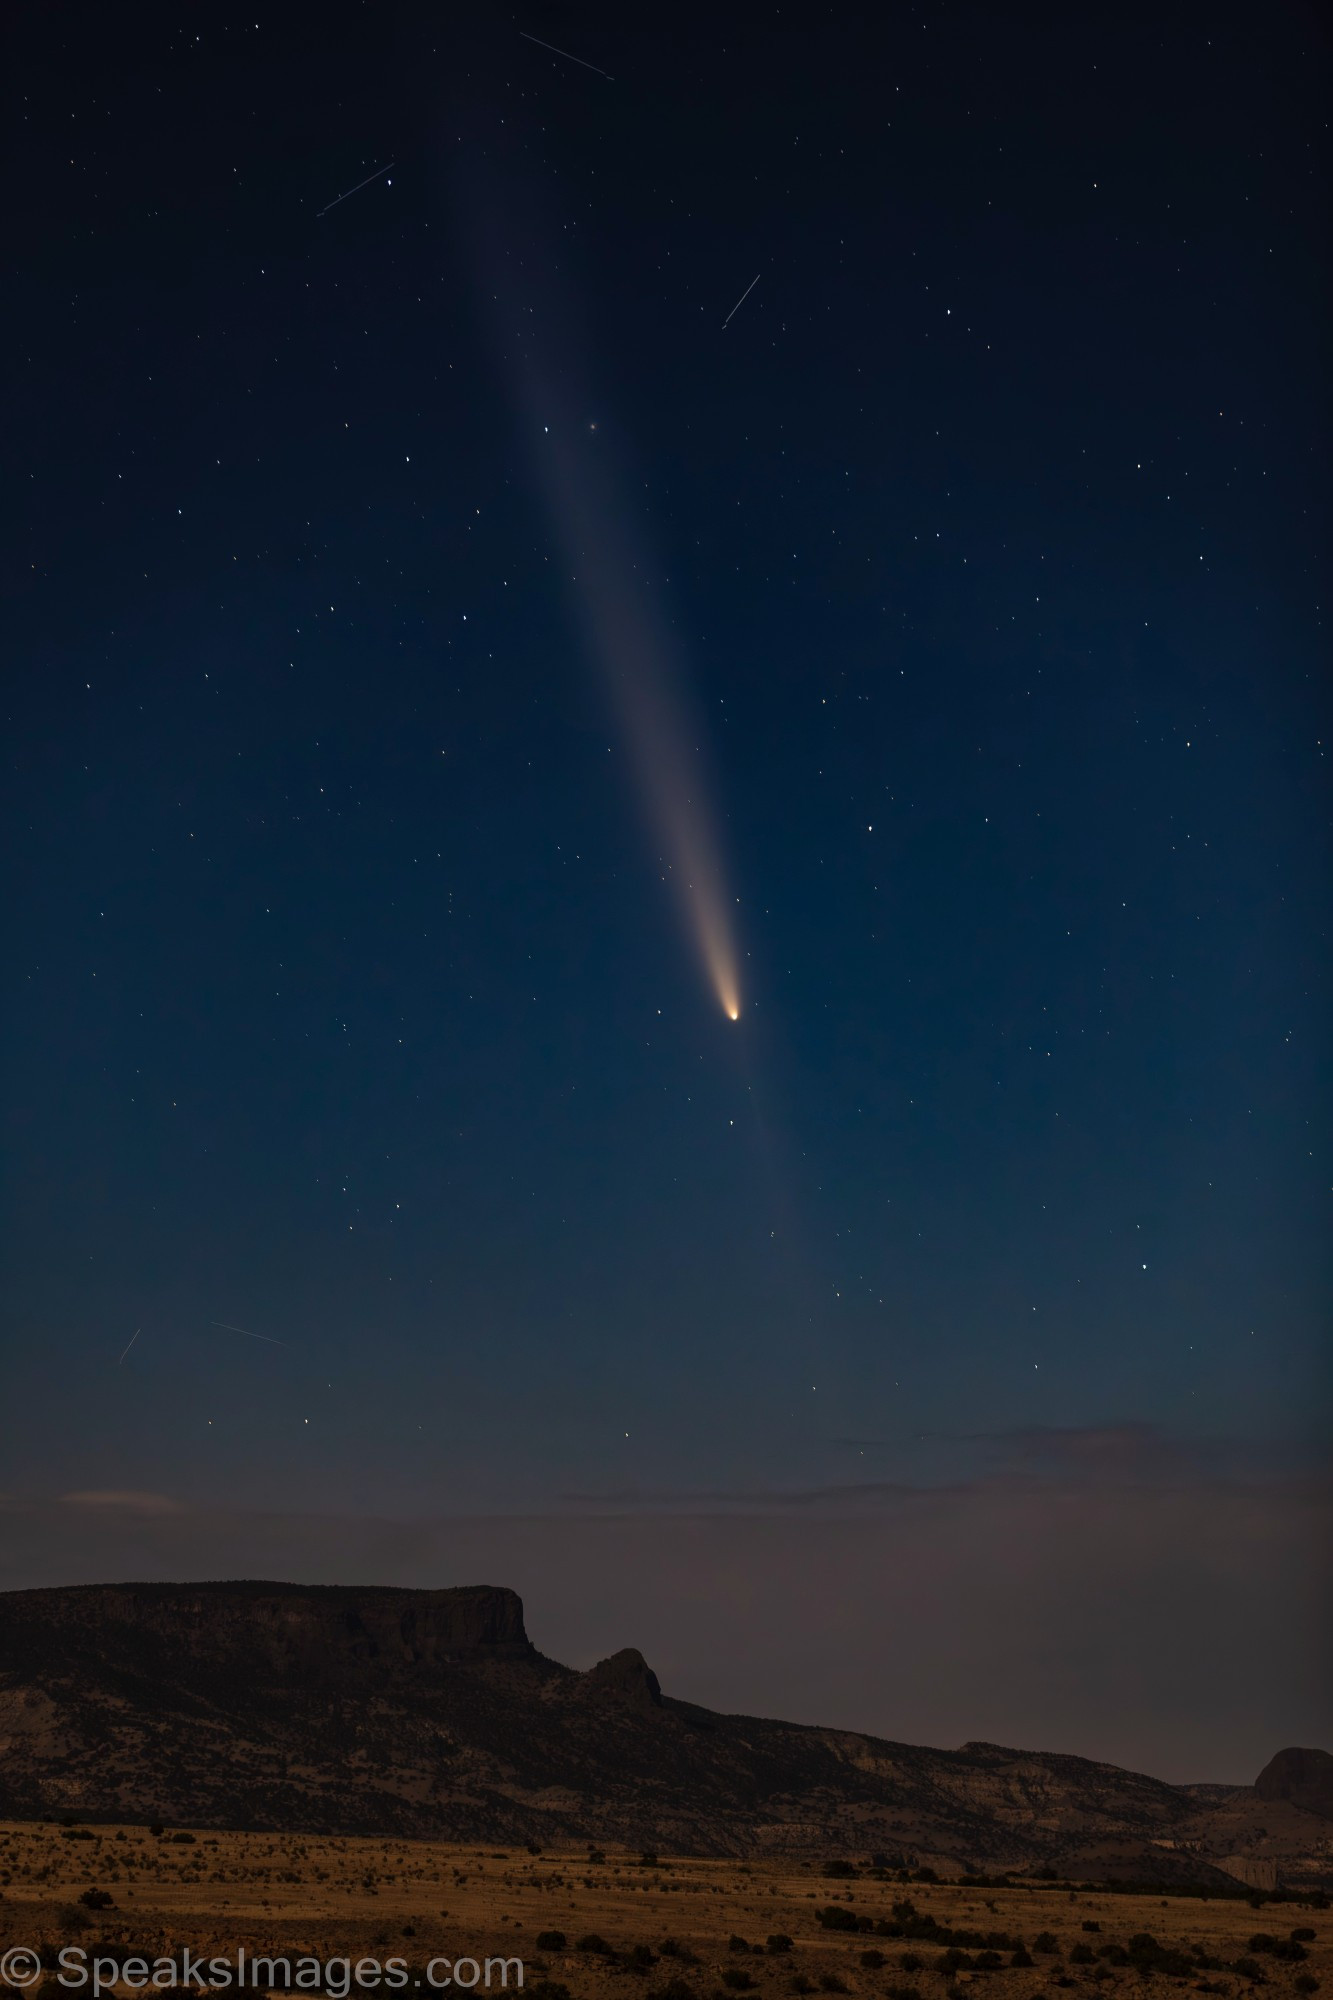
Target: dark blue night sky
pixel 348 998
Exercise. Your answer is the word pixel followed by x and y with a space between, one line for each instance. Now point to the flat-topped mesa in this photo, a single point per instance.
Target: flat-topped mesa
pixel 308 1629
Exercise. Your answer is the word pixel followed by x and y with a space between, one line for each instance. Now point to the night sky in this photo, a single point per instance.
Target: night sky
pixel 448 660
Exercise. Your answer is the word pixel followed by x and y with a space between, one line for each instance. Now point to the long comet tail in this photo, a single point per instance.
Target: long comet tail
pixel 129 1343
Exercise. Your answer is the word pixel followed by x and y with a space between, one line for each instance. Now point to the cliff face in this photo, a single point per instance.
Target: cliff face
pixel 430 1712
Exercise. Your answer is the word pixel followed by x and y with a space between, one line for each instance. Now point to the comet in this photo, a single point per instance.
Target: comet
pixel 616 579
pixel 630 639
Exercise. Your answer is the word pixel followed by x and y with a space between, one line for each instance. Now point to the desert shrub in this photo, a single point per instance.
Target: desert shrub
pixel 1046 1941
pixel 834 1918
pixel 1288 1947
pixel 1148 1956
pixel 594 1942
pixel 903 1993
pixel 641 1958
pixel 1080 1954
pixel 990 1961
pixel 800 1984
pixel 547 1989
pixel 1020 1958
pixel 926 1875
pixel 910 1961
pixel 872 1960
pixel 829 1982
pixel 647 1859
pixel 1249 1968
pixel 1303 1934
pixel 182 1840
pixel 1090 1924
pixel 737 1978
pixel 735 1943
pixel 778 1942
pixel 1305 1982
pixel 77 1833
pixel 97 1899
pixel 674 1989
pixel 842 1869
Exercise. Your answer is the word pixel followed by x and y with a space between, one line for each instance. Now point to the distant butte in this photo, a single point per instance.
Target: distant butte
pixel 330 1709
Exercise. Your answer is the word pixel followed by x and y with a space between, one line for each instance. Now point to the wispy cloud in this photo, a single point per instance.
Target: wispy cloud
pixel 114 1500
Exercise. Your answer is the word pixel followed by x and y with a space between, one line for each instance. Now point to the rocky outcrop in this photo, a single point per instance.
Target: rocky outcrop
pixel 1304 1777
pixel 626 1677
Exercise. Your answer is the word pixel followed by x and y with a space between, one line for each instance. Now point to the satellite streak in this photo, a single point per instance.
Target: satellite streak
pixel 324 211
pixel 249 1336
pixel 741 300
pixel 130 1342
pixel 565 53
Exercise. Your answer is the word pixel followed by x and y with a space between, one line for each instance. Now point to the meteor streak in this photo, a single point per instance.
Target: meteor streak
pixel 324 211
pixel 565 53
pixel 741 300
pixel 249 1336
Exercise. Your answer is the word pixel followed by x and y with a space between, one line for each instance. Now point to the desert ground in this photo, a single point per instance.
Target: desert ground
pixel 590 1925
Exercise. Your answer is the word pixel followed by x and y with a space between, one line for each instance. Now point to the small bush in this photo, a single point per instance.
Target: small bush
pixel 834 1918
pixel 1046 1941
pixel 1305 1982
pixel 96 1899
pixel 1249 1968
pixel 674 1989
pixel 1091 1924
pixel 903 1993
pixel 641 1958
pixel 1020 1958
pixel 842 1869
pixel 778 1942
pixel 872 1960
pixel 737 1978
pixel 550 1940
pixel 829 1982
pixel 593 1942
pixel 800 1984
pixel 738 1943
pixel 547 1989
pixel 1080 1954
